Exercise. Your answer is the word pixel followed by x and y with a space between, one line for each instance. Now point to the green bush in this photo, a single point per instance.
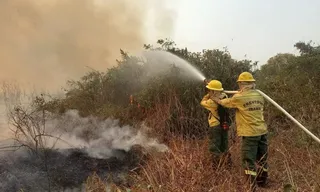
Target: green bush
pixel 293 82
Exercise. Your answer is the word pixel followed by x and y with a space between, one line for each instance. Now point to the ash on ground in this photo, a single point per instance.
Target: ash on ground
pixel 63 170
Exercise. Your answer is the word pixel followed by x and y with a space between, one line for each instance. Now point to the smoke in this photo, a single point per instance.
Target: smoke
pixel 98 138
pixel 45 43
pixel 162 22
pixel 75 147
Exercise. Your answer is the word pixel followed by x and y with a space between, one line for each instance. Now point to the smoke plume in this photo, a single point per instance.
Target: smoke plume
pixel 44 43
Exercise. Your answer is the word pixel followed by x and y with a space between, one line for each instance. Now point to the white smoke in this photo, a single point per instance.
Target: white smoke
pixel 97 137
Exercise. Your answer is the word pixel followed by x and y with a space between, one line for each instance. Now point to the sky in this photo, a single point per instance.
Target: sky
pixel 255 28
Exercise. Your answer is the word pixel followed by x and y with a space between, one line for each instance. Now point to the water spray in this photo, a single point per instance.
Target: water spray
pixel 159 61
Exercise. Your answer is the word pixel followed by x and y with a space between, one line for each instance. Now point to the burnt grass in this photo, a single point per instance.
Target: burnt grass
pixel 52 170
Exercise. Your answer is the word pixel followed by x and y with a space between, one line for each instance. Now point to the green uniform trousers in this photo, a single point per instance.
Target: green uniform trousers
pixel 218 140
pixel 254 150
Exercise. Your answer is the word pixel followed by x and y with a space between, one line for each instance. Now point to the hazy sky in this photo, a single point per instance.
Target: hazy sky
pixel 257 28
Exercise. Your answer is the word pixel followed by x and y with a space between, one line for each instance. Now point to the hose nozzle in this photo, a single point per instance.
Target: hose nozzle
pixel 206 81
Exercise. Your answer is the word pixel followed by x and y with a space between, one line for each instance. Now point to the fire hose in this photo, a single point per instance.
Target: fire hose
pixel 285 112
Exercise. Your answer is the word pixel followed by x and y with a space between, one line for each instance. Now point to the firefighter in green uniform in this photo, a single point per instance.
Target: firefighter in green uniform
pixel 249 105
pixel 219 122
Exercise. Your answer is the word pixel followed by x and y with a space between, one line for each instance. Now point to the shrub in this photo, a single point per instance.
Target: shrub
pixel 293 82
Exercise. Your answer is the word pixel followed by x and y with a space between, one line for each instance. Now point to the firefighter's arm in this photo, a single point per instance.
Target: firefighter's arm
pixel 228 102
pixel 206 102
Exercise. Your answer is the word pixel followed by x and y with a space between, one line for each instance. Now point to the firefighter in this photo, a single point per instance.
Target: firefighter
pixel 219 122
pixel 251 126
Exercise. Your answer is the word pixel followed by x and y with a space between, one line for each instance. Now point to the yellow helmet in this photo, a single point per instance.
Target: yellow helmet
pixel 246 76
pixel 215 85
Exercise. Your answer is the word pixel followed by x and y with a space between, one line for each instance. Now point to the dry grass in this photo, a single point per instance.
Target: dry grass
pixel 187 167
pixel 95 184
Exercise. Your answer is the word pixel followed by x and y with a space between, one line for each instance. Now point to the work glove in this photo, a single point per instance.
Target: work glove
pixel 215 99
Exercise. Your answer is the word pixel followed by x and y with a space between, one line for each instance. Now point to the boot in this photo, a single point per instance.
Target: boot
pixel 262 178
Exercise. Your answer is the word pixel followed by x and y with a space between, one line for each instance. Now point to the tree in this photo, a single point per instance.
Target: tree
pixel 307 48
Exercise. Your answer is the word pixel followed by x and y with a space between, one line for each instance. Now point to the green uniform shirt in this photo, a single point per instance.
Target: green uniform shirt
pixel 249 113
pixel 212 106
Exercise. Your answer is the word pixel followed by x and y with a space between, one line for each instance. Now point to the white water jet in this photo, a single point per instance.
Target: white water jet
pixel 160 61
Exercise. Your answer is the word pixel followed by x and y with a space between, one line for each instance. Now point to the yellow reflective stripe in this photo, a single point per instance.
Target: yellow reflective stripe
pixel 265 170
pixel 249 172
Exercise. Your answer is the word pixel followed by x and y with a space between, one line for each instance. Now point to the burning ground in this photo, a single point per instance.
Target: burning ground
pixel 75 149
pixel 62 170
